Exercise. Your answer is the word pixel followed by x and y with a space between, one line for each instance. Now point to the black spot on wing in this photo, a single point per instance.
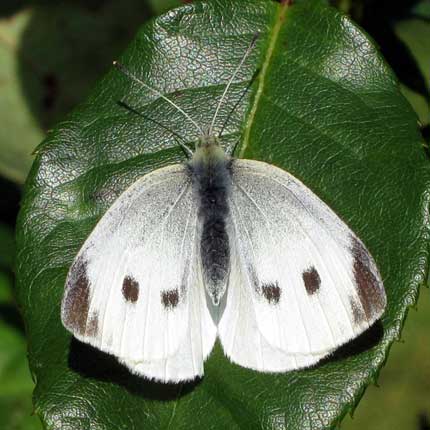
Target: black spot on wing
pixel 271 292
pixel 312 280
pixel 76 301
pixel 130 289
pixel 170 298
pixel 369 290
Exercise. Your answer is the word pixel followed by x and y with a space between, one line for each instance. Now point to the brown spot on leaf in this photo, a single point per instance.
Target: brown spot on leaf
pixel 312 280
pixel 271 292
pixel 170 298
pixel 370 292
pixel 130 289
pixel 76 302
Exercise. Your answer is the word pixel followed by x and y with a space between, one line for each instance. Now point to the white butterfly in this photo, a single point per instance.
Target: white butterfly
pixel 238 249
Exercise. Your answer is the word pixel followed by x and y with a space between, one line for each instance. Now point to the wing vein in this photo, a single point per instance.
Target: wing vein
pixel 178 199
pixel 293 194
pixel 271 236
pixel 125 211
pixel 188 284
pixel 247 274
pixel 317 251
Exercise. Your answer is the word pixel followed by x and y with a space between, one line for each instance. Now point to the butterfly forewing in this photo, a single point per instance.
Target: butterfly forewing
pixel 127 292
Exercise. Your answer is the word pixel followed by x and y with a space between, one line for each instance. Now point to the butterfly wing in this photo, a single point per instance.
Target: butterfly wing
pixel 241 338
pixel 187 362
pixel 312 284
pixel 130 290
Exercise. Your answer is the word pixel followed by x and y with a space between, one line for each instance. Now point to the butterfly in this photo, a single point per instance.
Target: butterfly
pixel 226 248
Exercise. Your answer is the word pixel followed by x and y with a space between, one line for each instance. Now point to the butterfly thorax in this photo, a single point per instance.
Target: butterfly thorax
pixel 210 168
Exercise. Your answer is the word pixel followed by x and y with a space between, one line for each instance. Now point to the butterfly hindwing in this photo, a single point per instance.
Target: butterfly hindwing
pixel 129 289
pixel 241 338
pixel 187 361
pixel 312 284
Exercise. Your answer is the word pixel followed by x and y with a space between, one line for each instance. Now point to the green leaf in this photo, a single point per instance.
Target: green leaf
pixel 324 106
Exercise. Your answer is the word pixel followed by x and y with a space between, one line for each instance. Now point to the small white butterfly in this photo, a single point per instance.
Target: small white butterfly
pixel 238 249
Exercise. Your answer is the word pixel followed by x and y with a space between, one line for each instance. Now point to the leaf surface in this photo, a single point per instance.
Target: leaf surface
pixel 323 106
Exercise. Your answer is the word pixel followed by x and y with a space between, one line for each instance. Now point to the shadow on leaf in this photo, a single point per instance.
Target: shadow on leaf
pixel 367 340
pixel 93 363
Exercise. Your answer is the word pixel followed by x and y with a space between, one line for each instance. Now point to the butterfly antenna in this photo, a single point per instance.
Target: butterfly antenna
pixel 233 76
pixel 176 136
pixel 184 147
pixel 126 72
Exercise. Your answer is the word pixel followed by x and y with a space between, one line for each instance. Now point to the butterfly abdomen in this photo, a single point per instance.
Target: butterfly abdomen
pixel 211 180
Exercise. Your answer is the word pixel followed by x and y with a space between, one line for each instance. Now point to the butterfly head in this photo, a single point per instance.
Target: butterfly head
pixel 208 149
pixel 207 139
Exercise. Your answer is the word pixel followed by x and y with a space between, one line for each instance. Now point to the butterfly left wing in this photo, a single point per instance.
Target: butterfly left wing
pixel 187 362
pixel 131 290
pixel 312 284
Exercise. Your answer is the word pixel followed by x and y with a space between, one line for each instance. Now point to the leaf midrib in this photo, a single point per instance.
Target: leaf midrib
pixel 279 20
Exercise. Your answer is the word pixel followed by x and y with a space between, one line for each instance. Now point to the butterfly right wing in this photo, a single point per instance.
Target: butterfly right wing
pixel 239 333
pixel 130 291
pixel 310 284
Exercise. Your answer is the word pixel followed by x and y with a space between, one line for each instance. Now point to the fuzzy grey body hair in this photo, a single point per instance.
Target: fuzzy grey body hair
pixel 210 170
